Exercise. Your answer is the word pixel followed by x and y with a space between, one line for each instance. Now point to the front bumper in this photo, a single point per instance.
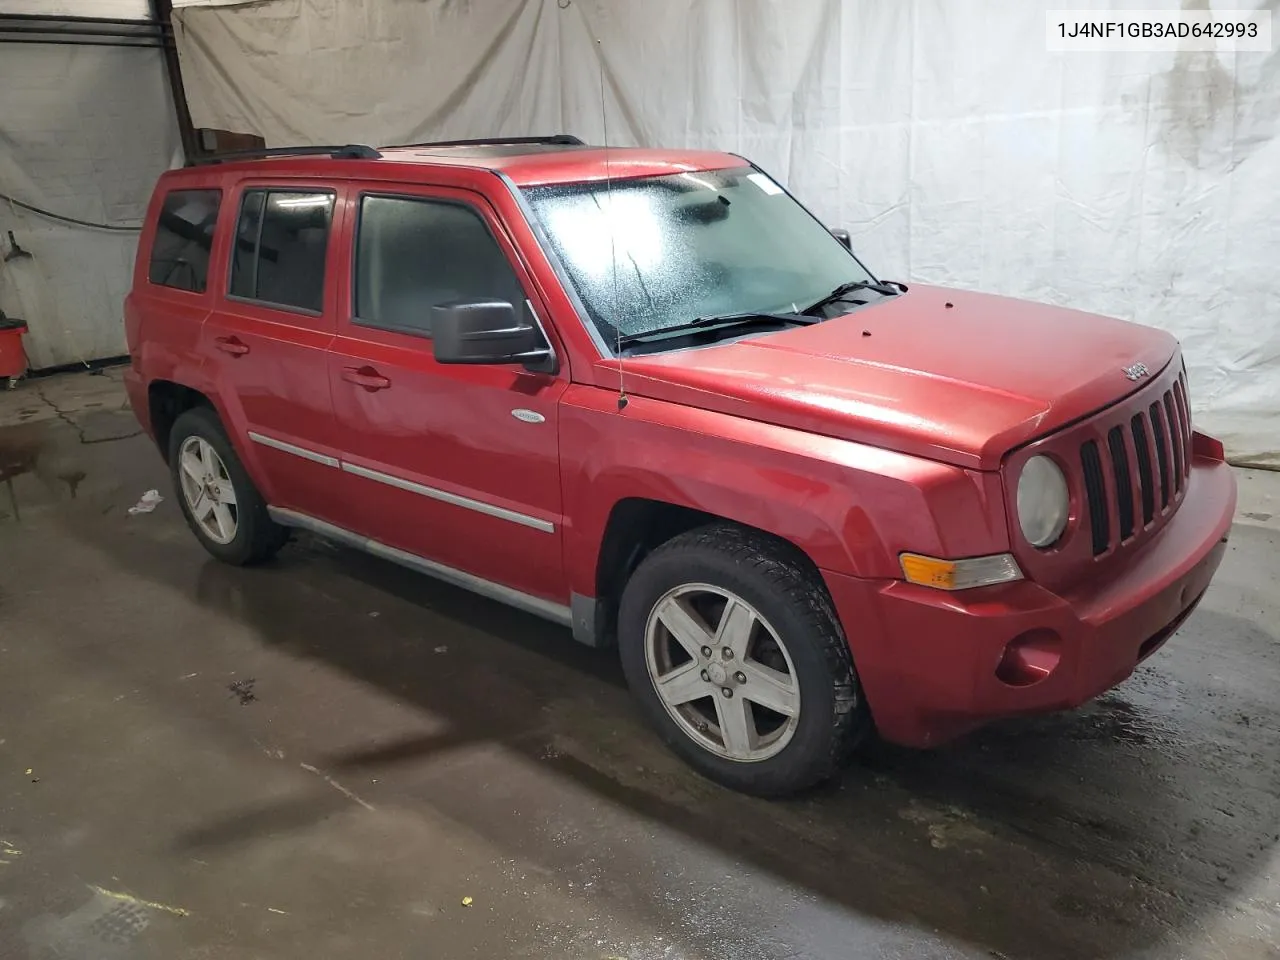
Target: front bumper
pixel 930 662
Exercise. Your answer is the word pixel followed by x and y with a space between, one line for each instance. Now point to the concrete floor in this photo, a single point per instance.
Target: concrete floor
pixel 323 758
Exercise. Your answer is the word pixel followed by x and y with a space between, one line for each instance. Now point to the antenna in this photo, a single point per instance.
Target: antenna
pixel 613 242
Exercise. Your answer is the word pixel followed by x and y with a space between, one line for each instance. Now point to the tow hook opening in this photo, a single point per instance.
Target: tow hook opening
pixel 1029 658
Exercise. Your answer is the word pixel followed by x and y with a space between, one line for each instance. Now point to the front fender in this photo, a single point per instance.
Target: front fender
pixel 851 508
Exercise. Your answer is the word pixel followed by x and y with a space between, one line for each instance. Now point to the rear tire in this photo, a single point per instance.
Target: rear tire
pixel 777 706
pixel 222 506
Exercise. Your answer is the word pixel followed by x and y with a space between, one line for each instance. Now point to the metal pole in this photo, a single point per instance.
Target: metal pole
pixel 54 18
pixel 139 32
pixel 51 41
pixel 162 10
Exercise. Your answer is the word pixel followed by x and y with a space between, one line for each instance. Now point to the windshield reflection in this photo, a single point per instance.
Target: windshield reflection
pixel 656 252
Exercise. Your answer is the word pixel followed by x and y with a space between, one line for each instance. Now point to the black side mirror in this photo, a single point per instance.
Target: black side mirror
pixel 488 332
pixel 843 236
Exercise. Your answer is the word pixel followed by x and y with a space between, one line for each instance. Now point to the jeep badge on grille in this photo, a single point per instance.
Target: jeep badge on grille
pixel 1136 372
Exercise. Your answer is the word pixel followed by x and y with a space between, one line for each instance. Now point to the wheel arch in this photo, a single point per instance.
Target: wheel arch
pixel 635 527
pixel 166 401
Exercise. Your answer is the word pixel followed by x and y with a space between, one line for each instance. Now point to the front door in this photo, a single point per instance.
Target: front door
pixel 456 464
pixel 267 342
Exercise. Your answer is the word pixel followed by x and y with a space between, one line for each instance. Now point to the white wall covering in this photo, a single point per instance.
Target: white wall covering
pixel 111 9
pixel 957 151
pixel 84 131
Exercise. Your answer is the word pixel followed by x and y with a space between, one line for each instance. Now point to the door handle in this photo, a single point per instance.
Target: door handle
pixel 366 377
pixel 231 345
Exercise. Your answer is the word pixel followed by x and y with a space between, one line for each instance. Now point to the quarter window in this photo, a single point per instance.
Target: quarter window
pixel 414 254
pixel 184 239
pixel 281 241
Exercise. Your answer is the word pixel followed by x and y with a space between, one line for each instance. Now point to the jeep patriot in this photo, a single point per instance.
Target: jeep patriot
pixel 647 395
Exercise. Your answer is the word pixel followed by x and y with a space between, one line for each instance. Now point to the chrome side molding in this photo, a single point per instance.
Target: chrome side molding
pixel 479 506
pixel 297 451
pixel 444 496
pixel 546 609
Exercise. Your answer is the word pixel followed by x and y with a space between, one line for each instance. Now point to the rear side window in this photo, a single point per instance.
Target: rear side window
pixel 414 254
pixel 184 238
pixel 282 237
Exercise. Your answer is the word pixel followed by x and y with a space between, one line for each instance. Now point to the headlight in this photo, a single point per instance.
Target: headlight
pixel 1043 502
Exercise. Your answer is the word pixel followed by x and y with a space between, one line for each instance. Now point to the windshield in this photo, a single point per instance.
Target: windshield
pixel 658 252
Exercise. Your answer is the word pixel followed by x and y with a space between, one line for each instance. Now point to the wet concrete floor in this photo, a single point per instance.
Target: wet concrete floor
pixel 325 757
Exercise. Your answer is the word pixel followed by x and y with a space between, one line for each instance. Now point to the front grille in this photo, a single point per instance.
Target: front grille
pixel 1159 434
pixel 1143 451
pixel 1162 452
pixel 1175 431
pixel 1096 492
pixel 1124 488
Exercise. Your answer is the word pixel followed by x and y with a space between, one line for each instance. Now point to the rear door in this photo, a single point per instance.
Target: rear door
pixel 174 286
pixel 456 464
pixel 268 335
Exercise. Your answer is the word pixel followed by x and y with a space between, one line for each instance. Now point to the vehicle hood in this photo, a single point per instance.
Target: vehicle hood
pixel 945 374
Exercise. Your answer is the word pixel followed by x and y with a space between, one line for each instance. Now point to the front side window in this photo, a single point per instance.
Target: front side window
pixel 656 252
pixel 281 241
pixel 184 239
pixel 414 254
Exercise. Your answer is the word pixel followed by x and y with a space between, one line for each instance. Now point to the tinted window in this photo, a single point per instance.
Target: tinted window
pixel 281 240
pixel 414 254
pixel 184 237
pixel 246 246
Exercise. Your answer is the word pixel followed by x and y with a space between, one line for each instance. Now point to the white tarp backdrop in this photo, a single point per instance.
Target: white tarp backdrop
pixel 940 132
pixel 84 132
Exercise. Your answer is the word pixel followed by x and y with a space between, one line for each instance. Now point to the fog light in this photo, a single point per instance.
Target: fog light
pixel 1029 658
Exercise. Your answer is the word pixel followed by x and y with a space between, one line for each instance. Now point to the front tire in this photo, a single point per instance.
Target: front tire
pixel 730 645
pixel 222 506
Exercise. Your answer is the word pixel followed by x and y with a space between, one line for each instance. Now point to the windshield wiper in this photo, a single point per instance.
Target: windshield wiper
pixel 751 316
pixel 853 286
pixel 747 319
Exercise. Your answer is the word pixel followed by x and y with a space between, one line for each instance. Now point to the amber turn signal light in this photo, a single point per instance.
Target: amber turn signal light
pixel 959 574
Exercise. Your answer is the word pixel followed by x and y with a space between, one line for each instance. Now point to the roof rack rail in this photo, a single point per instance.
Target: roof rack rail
pixel 554 140
pixel 350 151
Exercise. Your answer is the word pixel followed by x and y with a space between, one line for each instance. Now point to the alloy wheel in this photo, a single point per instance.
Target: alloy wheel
pixel 208 490
pixel 722 672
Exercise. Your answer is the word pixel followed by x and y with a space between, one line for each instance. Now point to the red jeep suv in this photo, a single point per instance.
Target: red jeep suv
pixel 646 394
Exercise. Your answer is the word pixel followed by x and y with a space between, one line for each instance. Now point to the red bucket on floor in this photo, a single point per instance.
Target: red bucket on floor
pixel 13 359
